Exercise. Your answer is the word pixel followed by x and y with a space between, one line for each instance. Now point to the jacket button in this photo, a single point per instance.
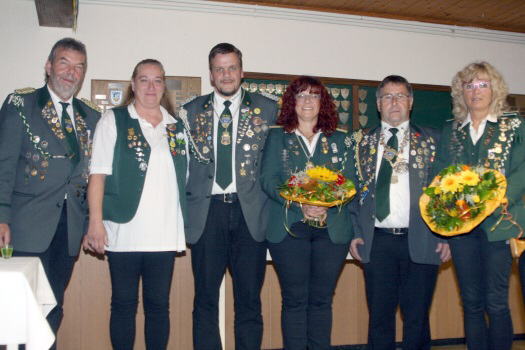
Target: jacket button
pixel 373 216
pixel 59 205
pixel 372 195
pixel 208 196
pixel 210 176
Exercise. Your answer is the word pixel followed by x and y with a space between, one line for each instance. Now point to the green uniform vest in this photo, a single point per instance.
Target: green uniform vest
pixel 123 188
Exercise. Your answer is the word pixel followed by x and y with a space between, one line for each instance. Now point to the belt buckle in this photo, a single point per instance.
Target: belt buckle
pixel 397 231
pixel 225 198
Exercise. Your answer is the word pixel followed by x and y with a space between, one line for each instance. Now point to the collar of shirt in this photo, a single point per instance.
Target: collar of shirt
pixel 310 146
pixel 218 103
pixel 475 135
pixel 58 107
pixel 401 127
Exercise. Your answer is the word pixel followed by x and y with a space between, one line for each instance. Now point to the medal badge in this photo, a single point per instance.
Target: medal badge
pixel 226 138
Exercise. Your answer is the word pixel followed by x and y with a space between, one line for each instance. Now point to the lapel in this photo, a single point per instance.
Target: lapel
pixel 204 129
pixel 81 128
pixel 294 158
pixel 368 155
pixel 244 125
pixel 422 153
pixel 177 148
pixel 50 116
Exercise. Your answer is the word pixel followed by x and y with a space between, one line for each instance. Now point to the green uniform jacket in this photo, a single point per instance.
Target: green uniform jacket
pixel 36 173
pixel 501 147
pixel 282 156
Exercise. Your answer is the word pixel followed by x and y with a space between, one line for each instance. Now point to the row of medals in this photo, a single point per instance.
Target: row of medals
pixel 278 89
pixel 246 129
pixel 400 167
pixel 138 146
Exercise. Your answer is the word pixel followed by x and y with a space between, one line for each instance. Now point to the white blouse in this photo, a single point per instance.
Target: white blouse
pixel 158 224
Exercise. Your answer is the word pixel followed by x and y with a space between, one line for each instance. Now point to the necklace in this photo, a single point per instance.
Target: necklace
pixel 307 154
pixel 225 121
pixel 400 165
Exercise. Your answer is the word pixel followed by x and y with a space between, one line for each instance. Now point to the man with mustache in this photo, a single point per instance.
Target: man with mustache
pixel 45 148
pixel 227 209
pixel 400 255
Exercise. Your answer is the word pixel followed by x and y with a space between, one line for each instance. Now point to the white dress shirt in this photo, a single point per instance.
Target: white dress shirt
pixel 399 192
pixel 218 108
pixel 476 135
pixel 158 224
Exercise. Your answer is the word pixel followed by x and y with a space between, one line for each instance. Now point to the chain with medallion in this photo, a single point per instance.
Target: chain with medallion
pixel 400 166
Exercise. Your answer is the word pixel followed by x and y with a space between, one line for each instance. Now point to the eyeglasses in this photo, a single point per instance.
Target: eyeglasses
pixel 389 97
pixel 304 97
pixel 482 85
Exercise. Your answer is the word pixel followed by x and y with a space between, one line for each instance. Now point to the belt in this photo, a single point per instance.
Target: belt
pixel 393 231
pixel 225 197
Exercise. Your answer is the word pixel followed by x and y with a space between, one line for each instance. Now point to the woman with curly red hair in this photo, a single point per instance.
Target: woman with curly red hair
pixel 308 258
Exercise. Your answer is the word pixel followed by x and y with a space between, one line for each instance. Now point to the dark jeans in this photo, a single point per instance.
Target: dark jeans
pixel 227 242
pixel 391 278
pixel 308 266
pixel 483 271
pixel 156 269
pixel 58 265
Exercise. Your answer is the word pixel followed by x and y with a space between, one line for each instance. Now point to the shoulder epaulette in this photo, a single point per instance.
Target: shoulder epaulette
pixel 276 126
pixel 91 105
pixel 510 114
pixel 342 130
pixel 25 91
pixel 189 100
pixel 270 96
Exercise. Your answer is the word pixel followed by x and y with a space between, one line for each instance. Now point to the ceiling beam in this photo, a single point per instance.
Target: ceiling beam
pixel 55 13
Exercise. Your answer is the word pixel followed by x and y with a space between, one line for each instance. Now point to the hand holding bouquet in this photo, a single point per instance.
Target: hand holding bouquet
pixel 461 197
pixel 318 186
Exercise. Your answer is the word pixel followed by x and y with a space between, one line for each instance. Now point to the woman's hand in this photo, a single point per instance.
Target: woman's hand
pixel 97 238
pixel 313 212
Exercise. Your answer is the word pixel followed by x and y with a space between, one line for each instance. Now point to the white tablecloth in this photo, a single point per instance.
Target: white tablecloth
pixel 25 300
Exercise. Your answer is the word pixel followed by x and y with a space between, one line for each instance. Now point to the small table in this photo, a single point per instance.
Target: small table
pixel 25 300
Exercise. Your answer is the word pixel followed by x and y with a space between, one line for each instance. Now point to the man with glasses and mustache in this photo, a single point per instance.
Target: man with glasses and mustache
pixel 45 148
pixel 227 209
pixel 400 255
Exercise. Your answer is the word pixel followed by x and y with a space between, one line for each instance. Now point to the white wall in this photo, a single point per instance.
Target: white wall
pixel 118 37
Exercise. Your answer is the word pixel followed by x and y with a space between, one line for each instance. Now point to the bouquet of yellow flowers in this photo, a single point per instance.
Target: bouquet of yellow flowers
pixel 318 186
pixel 461 197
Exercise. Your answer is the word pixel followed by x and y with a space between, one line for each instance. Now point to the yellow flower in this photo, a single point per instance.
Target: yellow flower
pixel 321 173
pixel 450 183
pixel 476 199
pixel 437 190
pixel 469 177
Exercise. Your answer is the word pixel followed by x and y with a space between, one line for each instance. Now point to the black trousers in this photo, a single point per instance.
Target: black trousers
pixel 58 265
pixel 156 270
pixel 308 265
pixel 392 279
pixel 226 242
pixel 483 272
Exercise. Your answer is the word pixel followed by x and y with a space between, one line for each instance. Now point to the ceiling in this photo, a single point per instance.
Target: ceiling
pixel 506 15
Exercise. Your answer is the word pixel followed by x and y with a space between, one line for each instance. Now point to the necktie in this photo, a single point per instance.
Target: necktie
pixel 224 148
pixel 383 180
pixel 71 137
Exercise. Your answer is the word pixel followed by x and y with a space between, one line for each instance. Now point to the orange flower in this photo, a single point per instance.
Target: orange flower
pixel 465 167
pixel 460 203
